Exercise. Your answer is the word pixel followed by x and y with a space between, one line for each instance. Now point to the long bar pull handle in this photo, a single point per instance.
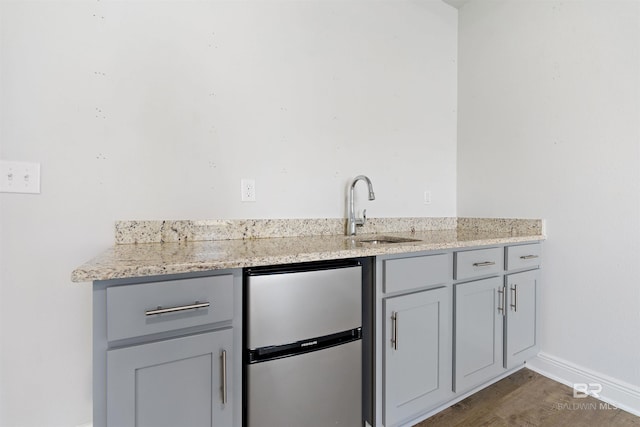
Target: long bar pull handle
pixel 223 356
pixel 161 310
pixel 483 264
pixel 528 256
pixel 501 300
pixel 394 338
pixel 514 289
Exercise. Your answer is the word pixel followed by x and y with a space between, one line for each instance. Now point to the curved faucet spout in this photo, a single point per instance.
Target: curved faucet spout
pixel 352 221
pixel 372 196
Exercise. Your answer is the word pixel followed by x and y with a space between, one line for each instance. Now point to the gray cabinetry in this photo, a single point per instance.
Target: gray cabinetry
pixel 405 274
pixel 417 354
pixel 495 319
pixel 413 337
pixel 478 332
pixel 167 351
pixel 129 308
pixel 521 317
pixel 450 322
pixel 522 287
pixel 478 262
pixel 176 382
pixel 521 257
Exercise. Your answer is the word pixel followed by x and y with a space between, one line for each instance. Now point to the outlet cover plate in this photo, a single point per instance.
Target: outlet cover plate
pixel 427 197
pixel 248 190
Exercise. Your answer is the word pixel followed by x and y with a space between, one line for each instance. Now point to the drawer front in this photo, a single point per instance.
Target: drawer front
pixel 479 262
pixel 402 274
pixel 524 256
pixel 131 309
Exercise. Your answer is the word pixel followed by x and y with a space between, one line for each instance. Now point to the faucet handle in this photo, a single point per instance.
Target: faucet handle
pixel 364 218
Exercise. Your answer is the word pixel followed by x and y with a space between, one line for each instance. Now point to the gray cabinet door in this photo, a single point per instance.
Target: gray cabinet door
pixel 521 336
pixel 478 351
pixel 177 382
pixel 417 353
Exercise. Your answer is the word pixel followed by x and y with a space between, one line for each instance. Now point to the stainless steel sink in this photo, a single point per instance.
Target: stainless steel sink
pixel 383 240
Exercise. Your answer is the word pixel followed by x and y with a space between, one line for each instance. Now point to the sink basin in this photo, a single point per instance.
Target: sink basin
pixel 383 240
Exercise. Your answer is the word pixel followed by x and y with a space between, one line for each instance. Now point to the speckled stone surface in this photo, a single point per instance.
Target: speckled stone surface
pixel 513 225
pixel 186 230
pixel 190 255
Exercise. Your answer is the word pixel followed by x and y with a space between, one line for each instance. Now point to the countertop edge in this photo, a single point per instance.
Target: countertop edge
pixel 91 273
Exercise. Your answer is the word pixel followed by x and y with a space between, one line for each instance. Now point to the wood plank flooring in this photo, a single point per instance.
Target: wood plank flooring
pixel 527 398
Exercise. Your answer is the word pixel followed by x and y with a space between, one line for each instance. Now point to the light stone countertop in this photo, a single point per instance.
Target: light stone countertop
pixel 185 256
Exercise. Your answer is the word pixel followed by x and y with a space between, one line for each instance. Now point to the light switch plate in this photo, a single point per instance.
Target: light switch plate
pixel 19 177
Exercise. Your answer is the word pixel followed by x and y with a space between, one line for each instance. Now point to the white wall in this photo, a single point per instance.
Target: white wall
pixel 549 126
pixel 153 110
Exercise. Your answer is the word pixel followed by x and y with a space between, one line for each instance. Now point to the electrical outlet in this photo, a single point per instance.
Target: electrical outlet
pixel 248 190
pixel 427 197
pixel 19 177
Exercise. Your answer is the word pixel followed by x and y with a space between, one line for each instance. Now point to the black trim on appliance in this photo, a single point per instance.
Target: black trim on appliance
pixel 264 354
pixel 299 267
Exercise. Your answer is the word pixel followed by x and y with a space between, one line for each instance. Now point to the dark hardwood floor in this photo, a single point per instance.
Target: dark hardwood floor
pixel 527 398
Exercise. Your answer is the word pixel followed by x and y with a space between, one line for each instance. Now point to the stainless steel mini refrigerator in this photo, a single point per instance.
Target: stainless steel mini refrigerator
pixel 303 346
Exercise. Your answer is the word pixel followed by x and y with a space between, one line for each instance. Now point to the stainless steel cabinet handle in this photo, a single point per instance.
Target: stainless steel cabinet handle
pixel 514 289
pixel 483 264
pixel 394 338
pixel 528 256
pixel 161 310
pixel 223 356
pixel 501 300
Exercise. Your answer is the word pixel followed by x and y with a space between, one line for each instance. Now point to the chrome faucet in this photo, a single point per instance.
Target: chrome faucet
pixel 352 221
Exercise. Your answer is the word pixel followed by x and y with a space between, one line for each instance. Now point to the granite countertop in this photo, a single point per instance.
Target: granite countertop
pixel 150 256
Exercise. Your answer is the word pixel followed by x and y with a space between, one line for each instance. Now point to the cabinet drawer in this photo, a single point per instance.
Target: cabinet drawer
pixel 524 256
pixel 408 273
pixel 479 262
pixel 130 308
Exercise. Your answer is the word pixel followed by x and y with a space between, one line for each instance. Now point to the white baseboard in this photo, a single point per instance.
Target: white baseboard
pixel 86 425
pixel 615 392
